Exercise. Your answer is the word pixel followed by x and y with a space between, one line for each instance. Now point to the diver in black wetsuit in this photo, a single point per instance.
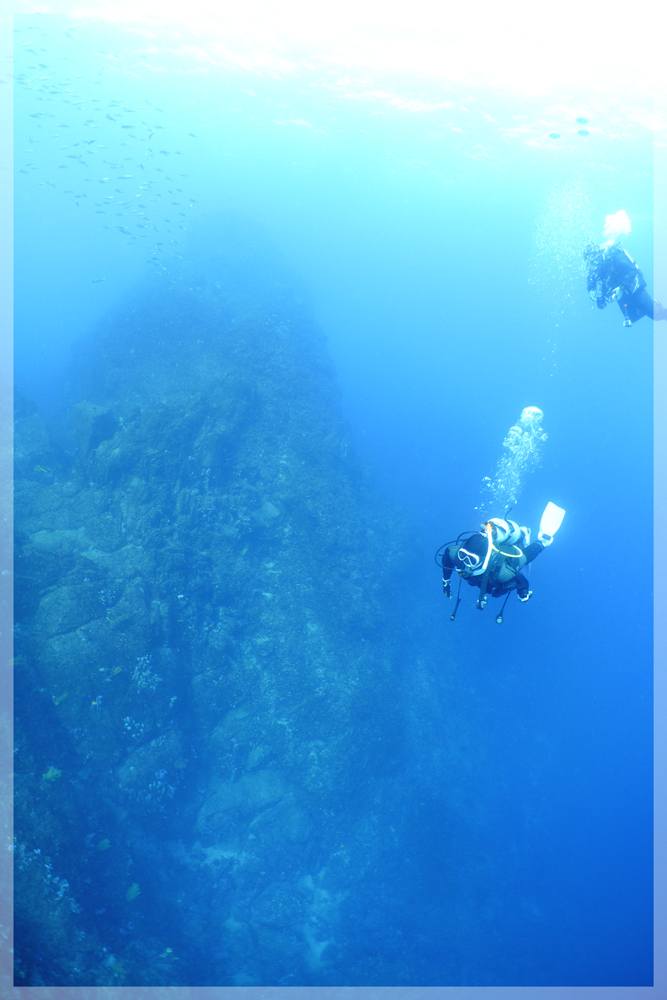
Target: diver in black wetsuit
pixel 493 559
pixel 613 276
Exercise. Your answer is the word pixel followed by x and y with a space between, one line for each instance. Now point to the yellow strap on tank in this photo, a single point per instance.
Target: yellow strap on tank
pixel 489 535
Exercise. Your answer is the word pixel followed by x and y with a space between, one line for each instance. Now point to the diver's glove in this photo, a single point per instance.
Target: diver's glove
pixel 545 539
pixel 526 597
pixel 447 588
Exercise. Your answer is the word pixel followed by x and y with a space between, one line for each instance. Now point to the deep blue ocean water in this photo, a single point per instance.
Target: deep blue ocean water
pixel 436 229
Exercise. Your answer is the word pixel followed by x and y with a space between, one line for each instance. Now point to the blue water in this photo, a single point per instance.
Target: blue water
pixel 439 252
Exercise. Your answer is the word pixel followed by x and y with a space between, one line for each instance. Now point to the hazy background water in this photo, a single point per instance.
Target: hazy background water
pixel 436 226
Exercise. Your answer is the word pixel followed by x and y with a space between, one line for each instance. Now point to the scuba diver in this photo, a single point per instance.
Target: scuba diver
pixel 494 558
pixel 613 276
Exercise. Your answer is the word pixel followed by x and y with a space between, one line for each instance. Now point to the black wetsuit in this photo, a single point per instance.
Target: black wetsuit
pixel 504 572
pixel 613 274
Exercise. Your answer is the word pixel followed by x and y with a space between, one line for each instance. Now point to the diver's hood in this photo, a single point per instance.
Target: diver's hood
pixel 474 554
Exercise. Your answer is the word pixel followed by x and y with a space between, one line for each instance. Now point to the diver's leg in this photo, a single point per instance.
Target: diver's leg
pixel 642 304
pixel 522 584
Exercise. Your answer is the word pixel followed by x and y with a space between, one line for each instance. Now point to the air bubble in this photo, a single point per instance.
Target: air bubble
pixel 522 453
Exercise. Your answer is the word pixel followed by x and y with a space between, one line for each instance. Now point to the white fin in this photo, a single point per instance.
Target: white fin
pixel 552 518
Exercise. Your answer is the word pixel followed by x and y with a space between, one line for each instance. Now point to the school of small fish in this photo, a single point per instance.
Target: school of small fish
pixel 107 155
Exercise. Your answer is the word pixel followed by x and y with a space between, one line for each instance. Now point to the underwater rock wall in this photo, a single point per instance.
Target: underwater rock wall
pixel 208 655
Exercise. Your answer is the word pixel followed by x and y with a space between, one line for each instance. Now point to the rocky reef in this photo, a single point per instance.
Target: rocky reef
pixel 209 654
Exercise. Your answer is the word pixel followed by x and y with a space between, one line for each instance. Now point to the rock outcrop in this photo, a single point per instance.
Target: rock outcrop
pixel 209 656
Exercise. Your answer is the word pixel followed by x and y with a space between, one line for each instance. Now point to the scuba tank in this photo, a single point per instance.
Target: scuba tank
pixel 504 532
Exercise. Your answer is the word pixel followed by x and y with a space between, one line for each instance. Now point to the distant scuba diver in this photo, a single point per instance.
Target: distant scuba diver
pixel 494 558
pixel 613 276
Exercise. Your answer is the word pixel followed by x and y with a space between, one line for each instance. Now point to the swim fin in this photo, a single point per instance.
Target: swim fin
pixel 552 518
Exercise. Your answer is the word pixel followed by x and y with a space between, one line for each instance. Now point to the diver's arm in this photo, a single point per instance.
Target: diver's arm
pixel 448 563
pixel 624 273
